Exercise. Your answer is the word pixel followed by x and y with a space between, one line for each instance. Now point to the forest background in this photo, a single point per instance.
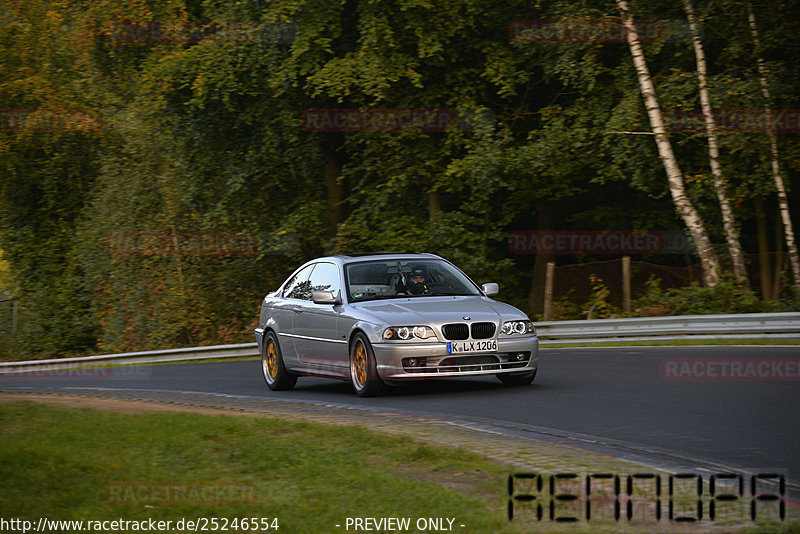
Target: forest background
pixel 164 164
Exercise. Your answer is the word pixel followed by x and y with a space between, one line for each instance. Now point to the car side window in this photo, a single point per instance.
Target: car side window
pixel 325 277
pixel 299 286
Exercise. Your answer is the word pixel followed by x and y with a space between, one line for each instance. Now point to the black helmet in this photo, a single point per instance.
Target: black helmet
pixel 419 270
pixel 417 287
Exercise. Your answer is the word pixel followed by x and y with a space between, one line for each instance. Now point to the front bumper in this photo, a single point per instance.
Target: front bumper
pixel 433 361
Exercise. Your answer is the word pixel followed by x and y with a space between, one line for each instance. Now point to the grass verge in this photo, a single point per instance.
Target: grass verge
pixel 99 465
pixel 90 464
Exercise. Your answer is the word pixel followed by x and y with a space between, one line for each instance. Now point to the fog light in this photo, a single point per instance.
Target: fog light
pixel 414 363
pixel 520 356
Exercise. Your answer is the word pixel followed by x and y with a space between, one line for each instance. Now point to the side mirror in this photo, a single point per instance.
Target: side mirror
pixel 491 289
pixel 324 297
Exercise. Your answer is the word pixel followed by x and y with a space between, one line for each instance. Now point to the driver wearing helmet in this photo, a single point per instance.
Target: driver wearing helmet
pixel 417 280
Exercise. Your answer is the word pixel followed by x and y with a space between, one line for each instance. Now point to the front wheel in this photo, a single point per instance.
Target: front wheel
pixel 275 374
pixel 363 370
pixel 517 379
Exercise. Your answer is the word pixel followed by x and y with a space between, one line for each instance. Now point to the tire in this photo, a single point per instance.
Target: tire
pixel 517 379
pixel 275 374
pixel 363 371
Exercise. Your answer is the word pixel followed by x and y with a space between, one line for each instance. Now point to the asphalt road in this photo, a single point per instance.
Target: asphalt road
pixel 618 395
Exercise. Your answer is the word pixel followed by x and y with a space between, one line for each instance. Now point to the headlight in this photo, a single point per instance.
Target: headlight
pixel 522 328
pixel 403 333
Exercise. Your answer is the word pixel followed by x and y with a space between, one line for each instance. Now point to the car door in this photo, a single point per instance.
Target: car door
pixel 321 346
pixel 285 311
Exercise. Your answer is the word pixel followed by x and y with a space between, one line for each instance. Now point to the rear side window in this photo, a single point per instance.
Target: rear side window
pixel 299 287
pixel 325 277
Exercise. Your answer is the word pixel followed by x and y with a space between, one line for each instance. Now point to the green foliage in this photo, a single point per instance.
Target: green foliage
pixel 598 306
pixel 728 296
pixel 653 302
pixel 564 309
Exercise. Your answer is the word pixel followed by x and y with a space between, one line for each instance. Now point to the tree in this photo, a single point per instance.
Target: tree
pixel 783 201
pixel 50 146
pixel 691 217
pixel 728 221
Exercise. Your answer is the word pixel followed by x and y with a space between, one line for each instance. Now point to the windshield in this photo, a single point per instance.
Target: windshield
pixel 370 280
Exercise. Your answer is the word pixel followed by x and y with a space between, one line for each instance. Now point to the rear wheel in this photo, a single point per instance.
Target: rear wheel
pixel 363 370
pixel 517 379
pixel 275 373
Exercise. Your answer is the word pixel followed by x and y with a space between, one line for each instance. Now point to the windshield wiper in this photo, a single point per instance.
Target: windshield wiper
pixel 442 294
pixel 375 296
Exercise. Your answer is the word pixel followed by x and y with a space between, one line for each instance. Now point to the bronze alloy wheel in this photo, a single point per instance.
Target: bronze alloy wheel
pixel 275 374
pixel 363 372
pixel 271 362
pixel 360 366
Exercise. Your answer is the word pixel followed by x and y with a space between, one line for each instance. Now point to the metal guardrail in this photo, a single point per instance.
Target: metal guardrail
pixel 132 358
pixel 551 333
pixel 740 326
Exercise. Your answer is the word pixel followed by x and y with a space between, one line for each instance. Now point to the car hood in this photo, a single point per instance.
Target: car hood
pixel 435 310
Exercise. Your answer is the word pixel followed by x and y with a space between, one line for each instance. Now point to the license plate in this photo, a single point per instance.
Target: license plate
pixel 462 347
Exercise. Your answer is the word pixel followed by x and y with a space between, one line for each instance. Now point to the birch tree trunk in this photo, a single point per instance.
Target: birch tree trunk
pixel 692 219
pixel 728 222
pixel 783 201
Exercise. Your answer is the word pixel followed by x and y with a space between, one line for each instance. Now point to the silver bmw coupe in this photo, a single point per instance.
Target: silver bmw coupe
pixel 378 319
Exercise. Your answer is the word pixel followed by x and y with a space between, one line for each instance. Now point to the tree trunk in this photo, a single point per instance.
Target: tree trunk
pixel 692 219
pixel 434 204
pixel 548 291
pixel 728 222
pixel 783 201
pixel 763 250
pixel 626 284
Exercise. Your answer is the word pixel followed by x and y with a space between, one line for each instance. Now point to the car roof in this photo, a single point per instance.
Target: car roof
pixel 376 256
pixel 350 258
